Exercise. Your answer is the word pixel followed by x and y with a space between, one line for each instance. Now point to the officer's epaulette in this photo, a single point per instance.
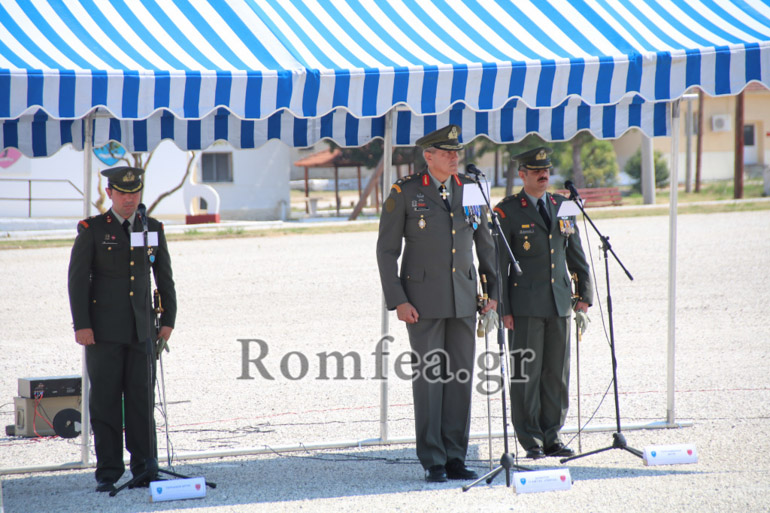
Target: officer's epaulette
pixel 509 198
pixel 84 222
pixel 397 185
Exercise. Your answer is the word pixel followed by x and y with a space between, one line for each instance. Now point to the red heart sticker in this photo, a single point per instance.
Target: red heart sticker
pixel 689 452
pixel 563 478
pixel 197 486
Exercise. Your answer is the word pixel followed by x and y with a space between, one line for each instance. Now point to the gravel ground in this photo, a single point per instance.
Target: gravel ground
pixel 313 294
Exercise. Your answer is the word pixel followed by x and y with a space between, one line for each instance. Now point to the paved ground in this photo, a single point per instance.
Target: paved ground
pixel 309 294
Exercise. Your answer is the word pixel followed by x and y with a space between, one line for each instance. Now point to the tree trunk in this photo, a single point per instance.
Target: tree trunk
pixel 699 142
pixel 577 164
pixel 172 191
pixel 509 176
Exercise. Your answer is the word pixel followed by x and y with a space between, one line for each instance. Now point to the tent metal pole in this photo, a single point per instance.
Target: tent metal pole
pixel 85 417
pixel 387 179
pixel 674 187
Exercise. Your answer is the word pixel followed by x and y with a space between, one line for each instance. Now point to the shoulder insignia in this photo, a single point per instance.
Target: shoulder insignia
pixel 396 187
pixel 425 180
pixel 457 181
pixel 524 202
pixel 83 223
pixel 500 212
pixel 553 200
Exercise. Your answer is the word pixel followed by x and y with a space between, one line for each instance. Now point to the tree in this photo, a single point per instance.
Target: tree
pixel 586 161
pixel 634 170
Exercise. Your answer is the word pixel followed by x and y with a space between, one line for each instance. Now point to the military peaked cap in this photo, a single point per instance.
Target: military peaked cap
pixel 124 178
pixel 444 139
pixel 537 158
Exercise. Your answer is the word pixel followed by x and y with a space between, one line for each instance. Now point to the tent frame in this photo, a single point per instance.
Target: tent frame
pixel 384 438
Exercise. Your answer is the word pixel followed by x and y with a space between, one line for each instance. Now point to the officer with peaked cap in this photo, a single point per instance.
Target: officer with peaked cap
pixel 434 293
pixel 537 305
pixel 109 297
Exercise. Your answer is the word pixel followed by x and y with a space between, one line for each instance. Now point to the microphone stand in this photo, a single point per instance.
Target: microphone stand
pixel 506 460
pixel 618 440
pixel 151 468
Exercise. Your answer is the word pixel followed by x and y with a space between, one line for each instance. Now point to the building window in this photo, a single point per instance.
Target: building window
pixel 216 167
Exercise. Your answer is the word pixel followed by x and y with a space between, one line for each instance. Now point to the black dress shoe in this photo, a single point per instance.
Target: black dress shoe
pixel 535 452
pixel 559 449
pixel 105 486
pixel 456 469
pixel 436 474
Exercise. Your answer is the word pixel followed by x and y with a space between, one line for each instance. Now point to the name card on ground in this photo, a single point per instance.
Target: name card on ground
pixel 175 489
pixel 670 454
pixel 542 480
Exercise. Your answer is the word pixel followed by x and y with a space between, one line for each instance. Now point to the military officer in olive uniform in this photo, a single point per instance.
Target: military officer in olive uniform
pixel 435 294
pixel 108 277
pixel 538 303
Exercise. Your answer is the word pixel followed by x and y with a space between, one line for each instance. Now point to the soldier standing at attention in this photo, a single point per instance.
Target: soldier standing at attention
pixel 537 305
pixel 435 295
pixel 109 298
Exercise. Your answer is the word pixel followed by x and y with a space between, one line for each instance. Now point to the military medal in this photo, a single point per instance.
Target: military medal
pixel 421 223
pixel 566 227
pixel 527 245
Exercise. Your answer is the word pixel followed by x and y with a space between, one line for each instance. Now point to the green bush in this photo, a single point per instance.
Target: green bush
pixel 634 170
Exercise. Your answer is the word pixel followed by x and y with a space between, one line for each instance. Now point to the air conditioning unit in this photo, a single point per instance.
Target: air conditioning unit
pixel 721 123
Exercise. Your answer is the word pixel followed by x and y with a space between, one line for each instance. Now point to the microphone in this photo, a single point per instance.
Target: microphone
pixel 571 188
pixel 473 170
pixel 142 211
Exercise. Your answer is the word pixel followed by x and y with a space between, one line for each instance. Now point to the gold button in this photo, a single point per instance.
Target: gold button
pixel 515 284
pixel 132 262
pixel 132 278
pixel 526 237
pixel 453 232
pixel 451 214
pixel 552 252
pixel 94 301
pixel 109 248
pixel 454 250
pixel 132 248
pixel 550 236
pixel 551 280
pixel 453 269
pixel 552 266
pixel 132 292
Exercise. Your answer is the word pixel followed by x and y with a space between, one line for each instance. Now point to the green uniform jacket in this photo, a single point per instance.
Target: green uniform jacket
pixel 108 280
pixel 437 275
pixel 543 289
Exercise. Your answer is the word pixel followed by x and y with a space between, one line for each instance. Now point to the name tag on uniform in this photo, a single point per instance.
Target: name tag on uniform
pixel 137 238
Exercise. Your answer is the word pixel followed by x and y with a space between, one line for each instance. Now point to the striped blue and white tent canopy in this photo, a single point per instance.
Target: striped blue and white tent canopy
pixel 39 135
pixel 293 67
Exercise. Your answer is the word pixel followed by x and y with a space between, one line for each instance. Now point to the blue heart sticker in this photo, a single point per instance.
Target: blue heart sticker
pixel 523 481
pixel 654 454
pixel 159 490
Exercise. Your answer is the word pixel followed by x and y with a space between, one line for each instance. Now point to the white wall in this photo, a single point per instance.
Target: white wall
pixel 260 189
pixel 260 186
pixel 164 172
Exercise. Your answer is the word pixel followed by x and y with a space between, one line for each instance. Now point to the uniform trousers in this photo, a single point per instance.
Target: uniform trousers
pixel 442 395
pixel 539 405
pixel 120 371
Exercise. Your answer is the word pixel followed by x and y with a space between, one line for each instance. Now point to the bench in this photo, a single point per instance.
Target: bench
pixel 311 206
pixel 597 196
